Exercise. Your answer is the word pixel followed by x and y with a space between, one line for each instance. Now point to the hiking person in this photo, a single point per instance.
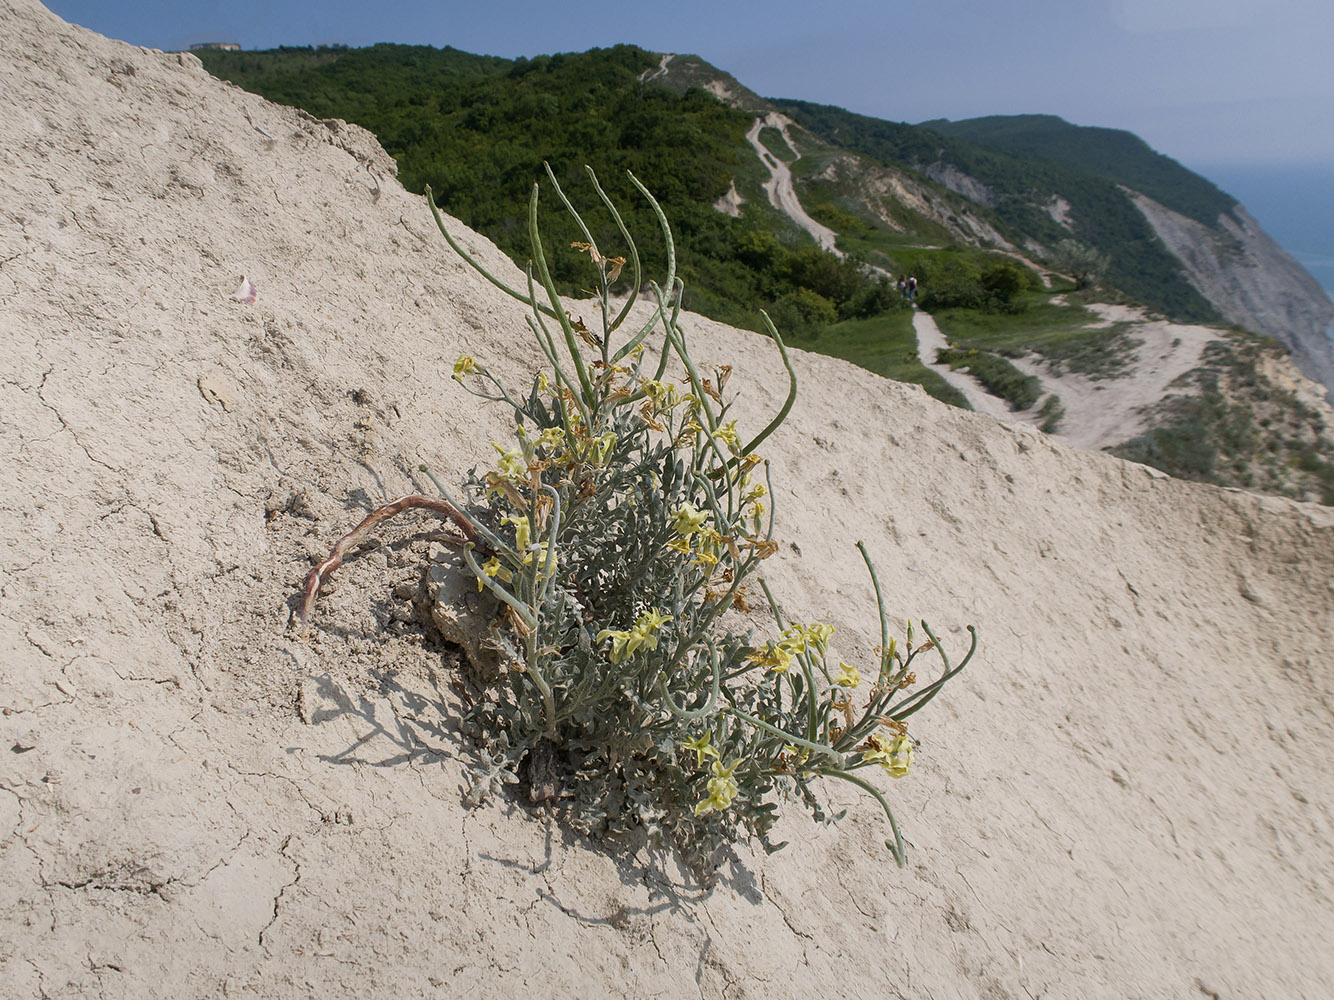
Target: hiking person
pixel 903 286
pixel 912 288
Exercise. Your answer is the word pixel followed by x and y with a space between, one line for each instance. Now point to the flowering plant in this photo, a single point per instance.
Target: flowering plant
pixel 628 515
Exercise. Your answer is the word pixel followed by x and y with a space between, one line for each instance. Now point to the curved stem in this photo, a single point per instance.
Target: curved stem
pixel 635 269
pixel 916 701
pixel 525 613
pixel 690 715
pixel 791 391
pixel 880 606
pixel 571 342
pixel 820 748
pixel 900 855
pixel 471 261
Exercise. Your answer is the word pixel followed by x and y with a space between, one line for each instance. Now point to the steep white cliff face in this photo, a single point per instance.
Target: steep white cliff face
pixel 885 190
pixel 1252 281
pixel 961 183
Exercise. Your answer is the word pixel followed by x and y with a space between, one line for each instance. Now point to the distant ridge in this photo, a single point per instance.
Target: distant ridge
pixel 1112 154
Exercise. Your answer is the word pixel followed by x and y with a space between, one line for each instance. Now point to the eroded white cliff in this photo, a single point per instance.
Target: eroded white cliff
pixel 1252 281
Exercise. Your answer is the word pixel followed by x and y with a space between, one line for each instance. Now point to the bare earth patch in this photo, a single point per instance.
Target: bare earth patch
pixel 1104 412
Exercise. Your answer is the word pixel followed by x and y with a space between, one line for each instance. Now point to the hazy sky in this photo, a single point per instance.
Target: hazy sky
pixel 1205 81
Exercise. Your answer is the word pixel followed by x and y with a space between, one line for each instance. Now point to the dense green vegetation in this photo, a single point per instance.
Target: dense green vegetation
pixel 1022 185
pixel 1112 154
pixel 478 129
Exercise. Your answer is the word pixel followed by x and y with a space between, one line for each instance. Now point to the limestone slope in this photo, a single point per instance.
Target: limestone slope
pixel 1128 794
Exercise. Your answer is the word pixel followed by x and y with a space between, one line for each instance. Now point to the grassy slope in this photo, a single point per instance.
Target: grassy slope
pixel 885 345
pixel 1063 334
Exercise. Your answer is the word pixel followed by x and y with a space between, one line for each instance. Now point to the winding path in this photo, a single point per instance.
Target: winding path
pixel 929 341
pixel 782 195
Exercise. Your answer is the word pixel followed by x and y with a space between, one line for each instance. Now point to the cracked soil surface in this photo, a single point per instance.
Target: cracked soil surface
pixel 1128 794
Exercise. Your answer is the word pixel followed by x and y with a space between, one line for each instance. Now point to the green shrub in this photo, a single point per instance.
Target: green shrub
pixel 626 516
pixel 998 376
pixel 804 312
pixel 1052 413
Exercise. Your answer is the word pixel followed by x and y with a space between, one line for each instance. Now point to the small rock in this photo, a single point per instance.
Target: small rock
pixel 466 617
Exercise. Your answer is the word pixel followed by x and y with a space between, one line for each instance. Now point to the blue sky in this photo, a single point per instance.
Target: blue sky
pixel 1205 81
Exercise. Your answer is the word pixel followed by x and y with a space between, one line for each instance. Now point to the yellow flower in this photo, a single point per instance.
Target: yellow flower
pixel 777 658
pixel 495 571
pixel 619 640
pixel 702 748
pixel 602 448
pixel 681 545
pixel 653 620
pixel 664 395
pixel 848 676
pixel 511 462
pixel 551 438
pixel 686 519
pixel 522 532
pixel 727 434
pixel 465 365
pixel 642 635
pixel 801 637
pixel 722 789
pixel 818 635
pixel 894 755
pixel 794 638
pixel 541 554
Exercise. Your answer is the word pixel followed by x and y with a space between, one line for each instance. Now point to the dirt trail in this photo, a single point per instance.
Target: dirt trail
pixel 652 73
pixel 782 195
pixel 1100 413
pixel 929 341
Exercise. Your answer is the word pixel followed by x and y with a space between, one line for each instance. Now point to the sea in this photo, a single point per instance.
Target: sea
pixel 1294 203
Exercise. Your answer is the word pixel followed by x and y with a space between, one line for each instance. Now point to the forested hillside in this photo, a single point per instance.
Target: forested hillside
pixel 1024 187
pixel 1112 154
pixel 478 129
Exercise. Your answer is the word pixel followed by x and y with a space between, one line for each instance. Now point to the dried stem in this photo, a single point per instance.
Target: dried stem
pixel 413 502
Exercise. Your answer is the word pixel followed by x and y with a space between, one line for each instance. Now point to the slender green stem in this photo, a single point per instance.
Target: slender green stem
pixel 918 700
pixel 595 256
pixel 820 748
pixel 791 390
pixel 900 855
pixel 525 613
pixel 472 262
pixel 670 244
pixel 880 606
pixel 635 269
pixel 549 570
pixel 543 272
